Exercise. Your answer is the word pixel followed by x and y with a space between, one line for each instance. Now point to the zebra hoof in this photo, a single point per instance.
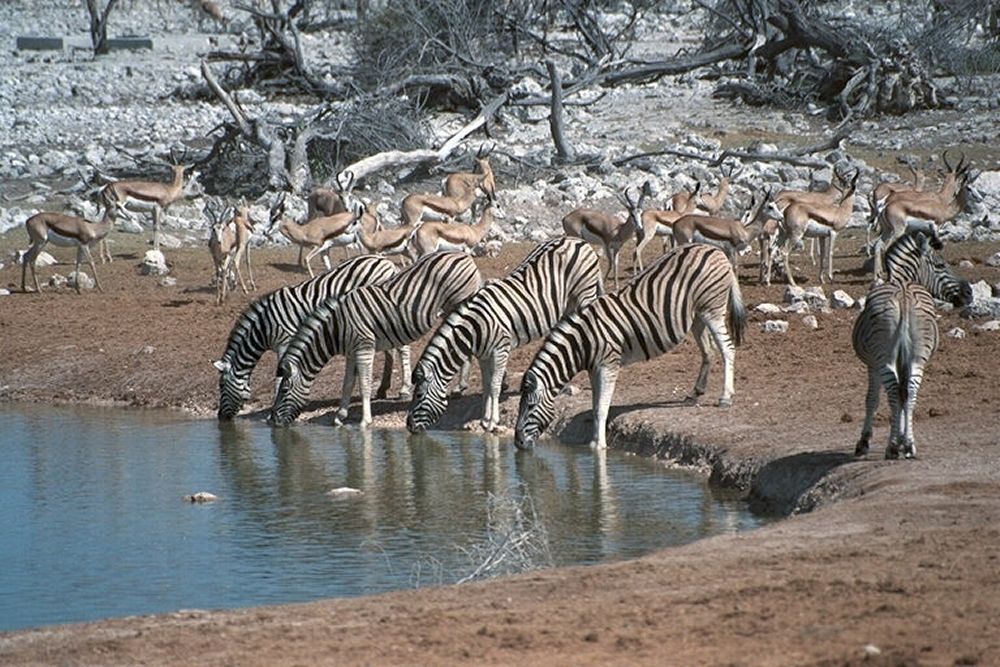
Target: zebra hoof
pixel 909 451
pixel 861 448
pixel 891 453
pixel 725 402
pixel 691 399
pixel 381 394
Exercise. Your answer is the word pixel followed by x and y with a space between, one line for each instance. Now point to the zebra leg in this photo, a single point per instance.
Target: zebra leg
pixel 906 437
pixel 871 405
pixel 365 355
pixel 602 385
pixel 703 338
pixel 464 377
pixel 386 381
pixel 406 383
pixel 891 385
pixel 350 369
pixel 494 371
pixel 718 333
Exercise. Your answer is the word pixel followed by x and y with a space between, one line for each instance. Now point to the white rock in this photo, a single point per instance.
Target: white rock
pixel 170 241
pixel 981 290
pixel 4 291
pixel 43 258
pixel 860 303
pixel 344 492
pixel 992 325
pixel 956 332
pixel 794 293
pixel 57 281
pixel 153 264
pixel 816 297
pixel 993 260
pixel 129 225
pixel 201 497
pixel 168 281
pixel 85 281
pixel 810 322
pixel 797 307
pixel 841 299
pixel 768 308
pixel 966 264
pixel 775 326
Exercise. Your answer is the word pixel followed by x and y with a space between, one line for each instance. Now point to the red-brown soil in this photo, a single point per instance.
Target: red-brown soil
pixel 896 564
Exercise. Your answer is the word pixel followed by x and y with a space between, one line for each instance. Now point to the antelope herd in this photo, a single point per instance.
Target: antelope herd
pixel 455 221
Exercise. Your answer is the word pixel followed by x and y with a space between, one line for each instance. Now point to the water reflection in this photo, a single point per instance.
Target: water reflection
pixel 94 524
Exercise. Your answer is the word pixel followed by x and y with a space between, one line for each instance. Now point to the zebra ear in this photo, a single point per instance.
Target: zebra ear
pixel 222 366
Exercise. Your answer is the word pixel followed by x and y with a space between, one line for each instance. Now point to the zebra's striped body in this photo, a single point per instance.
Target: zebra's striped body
pixel 896 334
pixel 692 288
pixel 390 314
pixel 270 322
pixel 556 278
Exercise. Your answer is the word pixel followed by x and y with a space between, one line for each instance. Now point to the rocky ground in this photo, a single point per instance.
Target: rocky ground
pixel 895 564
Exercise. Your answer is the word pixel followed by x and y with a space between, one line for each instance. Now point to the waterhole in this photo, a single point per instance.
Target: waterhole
pixel 95 523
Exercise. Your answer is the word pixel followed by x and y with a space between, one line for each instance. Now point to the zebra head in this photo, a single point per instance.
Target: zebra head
pixel 290 394
pixel 430 397
pixel 535 412
pixel 234 390
pixel 915 257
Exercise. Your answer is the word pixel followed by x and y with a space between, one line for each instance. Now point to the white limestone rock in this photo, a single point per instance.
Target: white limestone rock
pixel 810 322
pixel 794 294
pixel 797 307
pixel 992 325
pixel 81 278
pixel 775 326
pixel 57 281
pixel 841 300
pixel 768 308
pixel 816 297
pixel 993 260
pixel 956 332
pixel 154 264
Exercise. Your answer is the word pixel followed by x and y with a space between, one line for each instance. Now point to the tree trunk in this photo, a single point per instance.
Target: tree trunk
pixel 563 148
pixel 99 25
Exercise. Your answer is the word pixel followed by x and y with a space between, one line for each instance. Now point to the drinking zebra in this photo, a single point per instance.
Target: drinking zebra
pixel 270 322
pixel 376 317
pixel 691 288
pixel 556 278
pixel 896 334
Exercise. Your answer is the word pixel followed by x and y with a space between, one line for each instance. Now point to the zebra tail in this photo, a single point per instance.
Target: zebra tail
pixel 737 313
pixel 904 359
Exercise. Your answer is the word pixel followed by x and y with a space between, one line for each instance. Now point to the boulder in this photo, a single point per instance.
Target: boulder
pixel 57 281
pixel 794 293
pixel 767 308
pixel 993 260
pixel 816 297
pixel 992 325
pixel 797 307
pixel 81 278
pixel 810 322
pixel 956 332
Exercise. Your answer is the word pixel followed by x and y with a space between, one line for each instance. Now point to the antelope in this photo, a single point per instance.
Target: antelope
pixel 660 222
pixel 417 207
pixel 881 192
pixel 710 203
pixel 145 195
pixel 433 236
pixel 455 185
pixel 67 231
pixel 229 244
pixel 324 202
pixel 896 217
pixel 824 222
pixel 319 234
pixel 600 227
pixel 378 241
pixel 732 235
pixel 212 11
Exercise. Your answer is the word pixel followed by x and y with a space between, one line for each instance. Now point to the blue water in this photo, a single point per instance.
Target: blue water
pixel 93 521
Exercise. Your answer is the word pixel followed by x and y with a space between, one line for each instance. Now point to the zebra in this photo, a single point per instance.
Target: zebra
pixel 376 317
pixel 897 332
pixel 270 322
pixel 691 288
pixel 557 277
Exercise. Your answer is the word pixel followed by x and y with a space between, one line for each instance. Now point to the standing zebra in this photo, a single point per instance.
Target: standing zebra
pixel 557 277
pixel 691 288
pixel 376 317
pixel 270 322
pixel 896 334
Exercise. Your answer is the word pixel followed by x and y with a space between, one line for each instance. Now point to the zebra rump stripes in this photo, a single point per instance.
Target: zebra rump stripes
pixel 270 322
pixel 690 289
pixel 557 277
pixel 376 317
pixel 896 334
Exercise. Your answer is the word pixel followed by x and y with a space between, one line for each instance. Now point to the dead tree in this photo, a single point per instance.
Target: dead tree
pixel 99 25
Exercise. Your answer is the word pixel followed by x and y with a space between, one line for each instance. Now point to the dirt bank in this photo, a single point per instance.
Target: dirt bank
pixel 898 557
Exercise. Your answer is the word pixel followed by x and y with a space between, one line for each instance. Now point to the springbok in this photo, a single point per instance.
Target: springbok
pixel 67 231
pixel 229 245
pixel 606 229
